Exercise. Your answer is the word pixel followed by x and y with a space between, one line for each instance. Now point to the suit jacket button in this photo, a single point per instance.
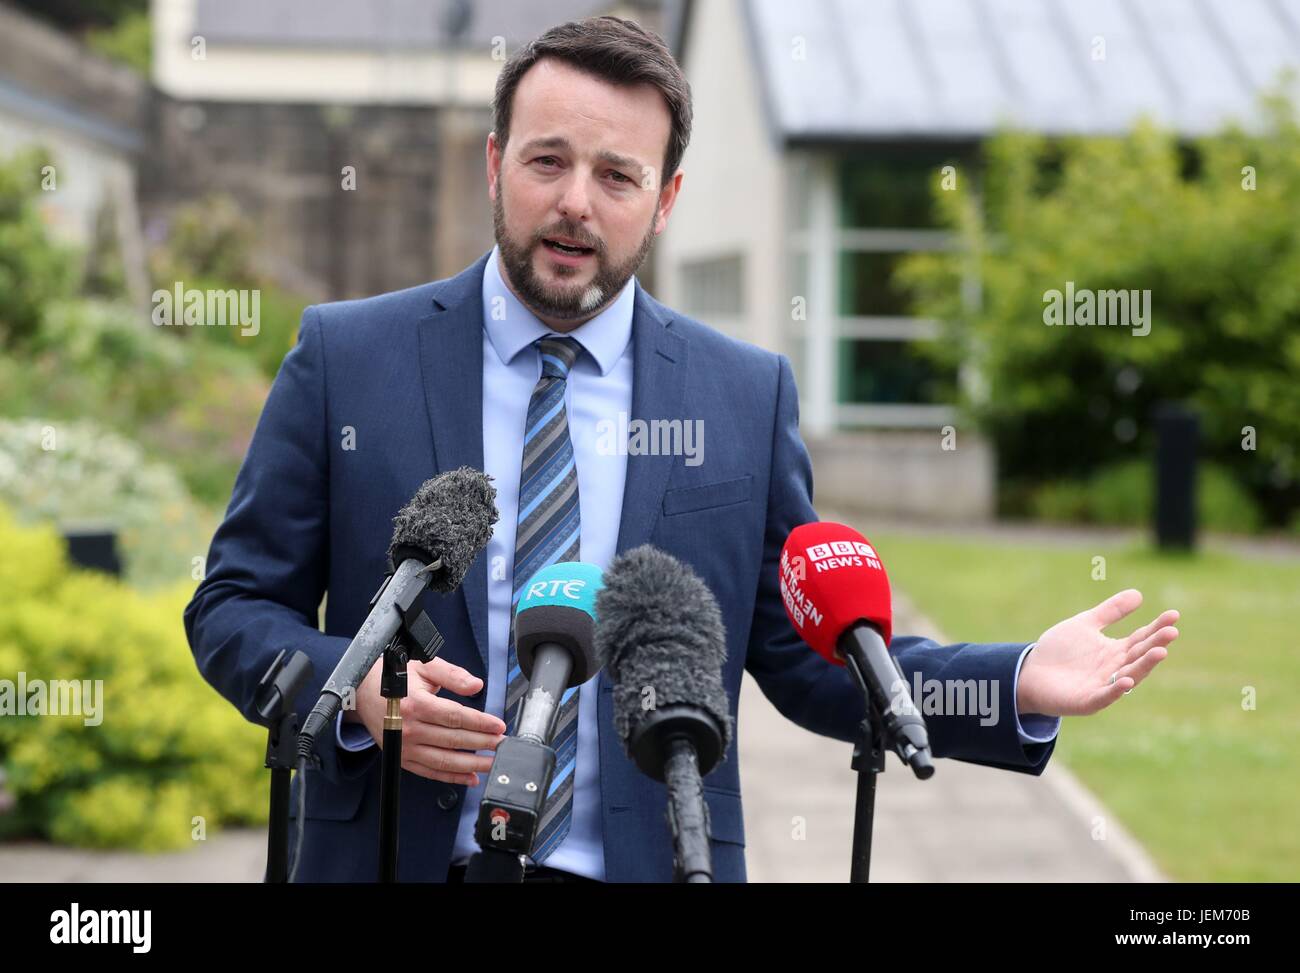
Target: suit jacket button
pixel 448 799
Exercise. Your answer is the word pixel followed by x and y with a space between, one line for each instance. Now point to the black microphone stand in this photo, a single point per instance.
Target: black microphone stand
pixel 678 745
pixel 417 638
pixel 275 692
pixel 869 762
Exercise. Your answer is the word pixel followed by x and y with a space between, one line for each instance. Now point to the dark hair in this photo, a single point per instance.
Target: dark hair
pixel 613 49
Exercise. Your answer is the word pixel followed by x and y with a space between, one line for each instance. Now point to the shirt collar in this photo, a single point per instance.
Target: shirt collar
pixel 605 337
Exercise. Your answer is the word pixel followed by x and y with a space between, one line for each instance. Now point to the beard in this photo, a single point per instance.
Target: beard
pixel 561 302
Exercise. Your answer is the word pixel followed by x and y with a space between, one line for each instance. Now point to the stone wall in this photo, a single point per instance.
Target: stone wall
pixel 906 475
pixel 284 165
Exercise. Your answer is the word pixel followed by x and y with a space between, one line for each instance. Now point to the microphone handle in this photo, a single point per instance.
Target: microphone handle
pixel 688 814
pixel 888 695
pixel 400 590
pixel 552 667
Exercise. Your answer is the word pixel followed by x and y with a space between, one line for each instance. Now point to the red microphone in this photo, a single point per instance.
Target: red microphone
pixel 836 594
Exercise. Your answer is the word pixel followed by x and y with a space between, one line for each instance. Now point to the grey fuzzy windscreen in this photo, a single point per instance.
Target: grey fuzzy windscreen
pixel 450 517
pixel 660 633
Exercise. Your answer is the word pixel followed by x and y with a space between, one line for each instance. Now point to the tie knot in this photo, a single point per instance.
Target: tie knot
pixel 558 356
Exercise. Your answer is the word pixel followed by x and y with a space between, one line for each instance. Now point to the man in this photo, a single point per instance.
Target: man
pixel 520 366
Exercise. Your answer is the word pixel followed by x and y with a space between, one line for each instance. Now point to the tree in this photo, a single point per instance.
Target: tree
pixel 1209 230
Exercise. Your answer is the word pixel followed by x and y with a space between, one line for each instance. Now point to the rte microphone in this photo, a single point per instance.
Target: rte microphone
pixel 836 594
pixel 554 642
pixel 658 628
pixel 436 537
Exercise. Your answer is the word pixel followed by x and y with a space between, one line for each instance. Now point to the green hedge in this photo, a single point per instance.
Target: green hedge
pixel 168 749
pixel 1124 495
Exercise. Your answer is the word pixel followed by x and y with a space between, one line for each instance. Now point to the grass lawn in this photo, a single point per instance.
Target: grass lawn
pixel 1210 788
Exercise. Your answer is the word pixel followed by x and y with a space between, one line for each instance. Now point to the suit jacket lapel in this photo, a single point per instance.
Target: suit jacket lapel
pixel 658 380
pixel 451 362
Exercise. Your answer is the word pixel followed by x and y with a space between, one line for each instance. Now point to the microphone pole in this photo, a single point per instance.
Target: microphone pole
pixel 669 745
pixel 836 595
pixel 891 723
pixel 279 685
pixel 418 638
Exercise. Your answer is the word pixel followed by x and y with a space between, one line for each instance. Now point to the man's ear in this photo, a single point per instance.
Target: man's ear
pixel 667 200
pixel 492 157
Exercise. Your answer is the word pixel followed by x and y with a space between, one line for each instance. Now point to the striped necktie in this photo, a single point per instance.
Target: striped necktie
pixel 548 532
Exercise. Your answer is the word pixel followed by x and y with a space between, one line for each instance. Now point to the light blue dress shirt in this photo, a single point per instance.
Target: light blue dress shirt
pixel 599 387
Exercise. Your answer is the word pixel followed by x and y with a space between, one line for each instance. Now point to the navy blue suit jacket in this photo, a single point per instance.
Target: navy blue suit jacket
pixel 399 378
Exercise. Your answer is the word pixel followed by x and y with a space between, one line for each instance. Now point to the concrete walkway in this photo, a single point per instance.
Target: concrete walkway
pixel 232 856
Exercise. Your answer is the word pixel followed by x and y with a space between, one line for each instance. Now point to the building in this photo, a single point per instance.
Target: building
pixel 820 130
pixel 277 103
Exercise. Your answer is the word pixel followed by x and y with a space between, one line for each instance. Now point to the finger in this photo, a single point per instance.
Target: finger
pixel 1167 617
pixel 1159 638
pixel 439 760
pixel 1106 694
pixel 1140 669
pixel 434 735
pixel 448 675
pixel 1115 607
pixel 469 780
pixel 456 716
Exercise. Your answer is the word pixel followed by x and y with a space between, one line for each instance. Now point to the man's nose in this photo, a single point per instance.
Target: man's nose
pixel 575 200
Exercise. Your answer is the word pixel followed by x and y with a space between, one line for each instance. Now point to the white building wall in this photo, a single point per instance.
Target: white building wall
pixel 731 199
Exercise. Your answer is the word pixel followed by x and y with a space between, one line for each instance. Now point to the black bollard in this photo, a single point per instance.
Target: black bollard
pixel 94 549
pixel 1177 439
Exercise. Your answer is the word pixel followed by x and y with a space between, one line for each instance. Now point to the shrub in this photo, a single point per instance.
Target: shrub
pixel 1124 495
pixel 168 748
pixel 75 473
pixel 193 403
pixel 33 269
pixel 1218 252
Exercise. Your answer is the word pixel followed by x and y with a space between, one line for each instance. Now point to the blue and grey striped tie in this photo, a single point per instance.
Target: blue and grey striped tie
pixel 548 532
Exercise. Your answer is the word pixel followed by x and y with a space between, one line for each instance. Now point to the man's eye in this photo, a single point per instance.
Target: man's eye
pixel 545 159
pixel 619 177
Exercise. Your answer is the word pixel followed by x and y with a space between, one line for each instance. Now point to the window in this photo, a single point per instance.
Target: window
pixel 713 287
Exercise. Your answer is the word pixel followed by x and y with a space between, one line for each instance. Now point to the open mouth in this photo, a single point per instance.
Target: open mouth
pixel 567 249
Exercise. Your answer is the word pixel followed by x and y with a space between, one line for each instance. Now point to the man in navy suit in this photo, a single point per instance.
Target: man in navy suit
pixel 543 364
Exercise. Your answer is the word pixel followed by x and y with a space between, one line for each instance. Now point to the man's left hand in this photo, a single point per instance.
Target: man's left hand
pixel 1068 673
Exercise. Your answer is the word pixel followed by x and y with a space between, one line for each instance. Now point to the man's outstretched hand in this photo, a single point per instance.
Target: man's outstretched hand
pixel 1068 672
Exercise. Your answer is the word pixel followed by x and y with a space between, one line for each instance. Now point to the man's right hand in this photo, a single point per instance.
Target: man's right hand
pixel 438 735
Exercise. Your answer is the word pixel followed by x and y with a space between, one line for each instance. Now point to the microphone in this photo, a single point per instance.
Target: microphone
pixel 436 537
pixel 660 632
pixel 836 594
pixel 554 628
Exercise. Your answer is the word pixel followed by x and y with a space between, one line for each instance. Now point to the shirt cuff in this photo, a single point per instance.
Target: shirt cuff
pixel 1034 727
pixel 352 736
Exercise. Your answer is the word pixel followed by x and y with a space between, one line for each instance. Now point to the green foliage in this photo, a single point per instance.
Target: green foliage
pixel 1123 495
pixel 1222 264
pixel 33 269
pixel 129 41
pixel 211 238
pixel 166 748
pixel 77 474
pixel 193 404
pixel 211 245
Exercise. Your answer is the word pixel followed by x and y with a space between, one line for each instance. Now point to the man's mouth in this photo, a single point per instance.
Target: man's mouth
pixel 569 249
